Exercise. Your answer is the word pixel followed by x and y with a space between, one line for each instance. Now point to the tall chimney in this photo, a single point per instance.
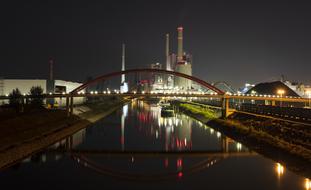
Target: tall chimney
pixel 51 62
pixel 180 44
pixel 123 63
pixel 167 52
pixel 50 82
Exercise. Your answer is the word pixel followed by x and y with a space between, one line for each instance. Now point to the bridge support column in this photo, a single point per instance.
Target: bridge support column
pixel 273 102
pixel 225 107
pixel 225 144
pixel 67 106
pixel 71 105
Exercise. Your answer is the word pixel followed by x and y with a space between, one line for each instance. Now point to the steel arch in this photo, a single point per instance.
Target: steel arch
pixel 109 75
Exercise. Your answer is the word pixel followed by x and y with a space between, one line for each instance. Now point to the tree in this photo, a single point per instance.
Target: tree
pixel 36 93
pixel 15 99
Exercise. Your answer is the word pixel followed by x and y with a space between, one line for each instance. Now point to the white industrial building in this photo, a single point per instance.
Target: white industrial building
pixel 180 82
pixel 24 85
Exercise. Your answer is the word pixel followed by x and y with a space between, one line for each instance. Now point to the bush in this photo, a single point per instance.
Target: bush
pixel 16 99
pixel 36 94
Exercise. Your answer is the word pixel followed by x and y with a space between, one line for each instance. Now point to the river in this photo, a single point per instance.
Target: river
pixel 158 152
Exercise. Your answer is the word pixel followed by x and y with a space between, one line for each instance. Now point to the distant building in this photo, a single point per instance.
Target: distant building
pixel 24 85
pixel 183 64
pixel 245 88
pixel 157 81
pixel 272 88
pixel 301 89
pixel 180 82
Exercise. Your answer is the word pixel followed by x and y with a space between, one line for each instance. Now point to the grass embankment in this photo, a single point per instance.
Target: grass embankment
pixel 206 114
pixel 26 126
pixel 295 155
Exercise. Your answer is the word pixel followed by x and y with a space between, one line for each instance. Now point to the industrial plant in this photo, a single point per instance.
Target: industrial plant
pixel 180 62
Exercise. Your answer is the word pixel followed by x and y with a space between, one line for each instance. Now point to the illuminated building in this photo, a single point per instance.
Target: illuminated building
pixel 156 78
pixel 184 64
pixel 124 85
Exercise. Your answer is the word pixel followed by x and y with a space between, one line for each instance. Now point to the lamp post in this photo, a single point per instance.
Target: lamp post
pixel 281 92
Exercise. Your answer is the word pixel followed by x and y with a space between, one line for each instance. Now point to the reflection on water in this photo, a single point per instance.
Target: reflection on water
pixel 279 169
pixel 307 184
pixel 207 155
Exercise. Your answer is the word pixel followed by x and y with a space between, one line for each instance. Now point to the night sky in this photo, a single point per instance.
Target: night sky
pixel 233 41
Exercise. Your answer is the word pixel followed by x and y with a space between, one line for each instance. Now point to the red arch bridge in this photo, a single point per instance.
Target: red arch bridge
pixel 214 92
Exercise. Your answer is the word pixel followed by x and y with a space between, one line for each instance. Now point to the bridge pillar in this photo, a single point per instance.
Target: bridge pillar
pixel 225 107
pixel 71 104
pixel 273 102
pixel 225 144
pixel 67 106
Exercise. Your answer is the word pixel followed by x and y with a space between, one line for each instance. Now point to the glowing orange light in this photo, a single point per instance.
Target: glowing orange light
pixel 307 184
pixel 281 91
pixel 279 169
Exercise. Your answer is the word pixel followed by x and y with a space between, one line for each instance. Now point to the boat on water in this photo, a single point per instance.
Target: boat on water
pixel 167 111
pixel 164 104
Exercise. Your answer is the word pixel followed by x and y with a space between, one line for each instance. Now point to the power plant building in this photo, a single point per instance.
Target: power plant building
pixel 180 82
pixel 180 62
pixel 157 78
pixel 183 65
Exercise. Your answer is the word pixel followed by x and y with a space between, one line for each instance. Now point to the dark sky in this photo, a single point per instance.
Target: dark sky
pixel 233 41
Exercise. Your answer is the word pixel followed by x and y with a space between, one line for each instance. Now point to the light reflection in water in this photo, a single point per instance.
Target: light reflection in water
pixel 238 147
pixel 211 131
pixel 177 129
pixel 123 116
pixel 218 134
pixel 307 184
pixel 279 169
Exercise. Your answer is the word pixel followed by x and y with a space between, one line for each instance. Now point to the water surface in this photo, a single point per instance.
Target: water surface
pixel 81 160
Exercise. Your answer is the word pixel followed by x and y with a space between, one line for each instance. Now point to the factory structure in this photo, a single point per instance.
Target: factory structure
pixel 49 85
pixel 24 85
pixel 180 62
pixel 124 85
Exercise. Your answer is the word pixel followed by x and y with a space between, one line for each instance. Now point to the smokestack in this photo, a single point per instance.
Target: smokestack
pixel 180 44
pixel 51 63
pixel 123 63
pixel 167 52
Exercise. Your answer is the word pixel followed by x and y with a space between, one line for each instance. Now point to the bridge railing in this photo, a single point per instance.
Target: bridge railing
pixel 278 111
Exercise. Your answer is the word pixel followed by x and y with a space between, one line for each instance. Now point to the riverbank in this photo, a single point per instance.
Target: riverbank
pixel 29 133
pixel 292 153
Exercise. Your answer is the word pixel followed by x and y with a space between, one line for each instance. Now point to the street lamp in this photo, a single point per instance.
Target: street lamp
pixel 281 92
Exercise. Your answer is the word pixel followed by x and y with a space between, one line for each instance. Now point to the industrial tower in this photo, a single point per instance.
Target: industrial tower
pixel 124 85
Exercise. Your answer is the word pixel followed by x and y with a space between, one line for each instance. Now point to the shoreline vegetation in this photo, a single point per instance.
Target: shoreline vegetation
pixel 28 133
pixel 259 134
